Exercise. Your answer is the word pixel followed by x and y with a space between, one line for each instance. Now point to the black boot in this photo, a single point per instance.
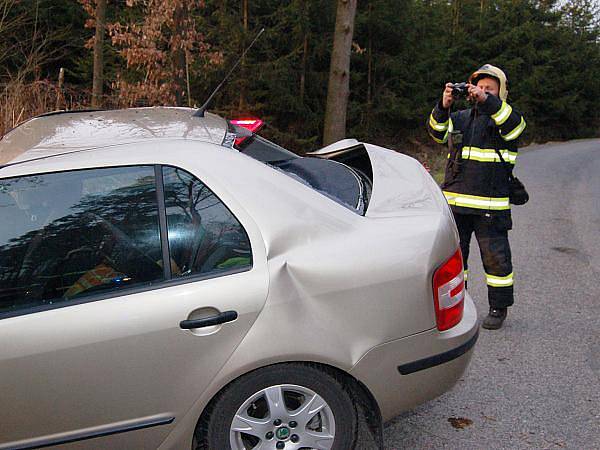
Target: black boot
pixel 495 318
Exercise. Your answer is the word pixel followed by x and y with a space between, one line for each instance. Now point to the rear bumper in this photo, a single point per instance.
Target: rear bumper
pixel 406 372
pixel 436 360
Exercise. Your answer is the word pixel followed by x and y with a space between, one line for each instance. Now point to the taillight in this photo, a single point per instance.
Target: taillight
pixel 449 292
pixel 252 125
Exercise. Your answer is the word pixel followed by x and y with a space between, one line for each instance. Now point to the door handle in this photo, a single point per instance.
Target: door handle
pixel 226 316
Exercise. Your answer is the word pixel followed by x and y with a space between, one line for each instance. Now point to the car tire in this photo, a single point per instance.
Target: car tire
pixel 316 409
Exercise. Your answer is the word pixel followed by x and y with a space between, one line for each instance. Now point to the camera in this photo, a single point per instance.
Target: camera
pixel 459 90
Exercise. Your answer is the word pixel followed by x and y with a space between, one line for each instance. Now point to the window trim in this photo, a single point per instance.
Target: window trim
pixel 162 220
pixel 142 287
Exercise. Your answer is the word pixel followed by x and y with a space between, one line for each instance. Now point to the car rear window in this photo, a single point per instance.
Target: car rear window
pixel 264 150
pixel 333 179
pixel 328 177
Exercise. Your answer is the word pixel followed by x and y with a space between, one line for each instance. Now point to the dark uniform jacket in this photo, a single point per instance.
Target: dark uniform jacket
pixel 476 181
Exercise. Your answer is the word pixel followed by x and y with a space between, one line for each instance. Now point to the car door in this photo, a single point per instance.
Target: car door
pixel 93 344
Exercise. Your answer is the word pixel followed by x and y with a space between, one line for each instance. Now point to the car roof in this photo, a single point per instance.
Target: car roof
pixel 69 131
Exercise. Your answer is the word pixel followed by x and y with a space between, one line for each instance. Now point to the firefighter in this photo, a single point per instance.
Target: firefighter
pixel 476 182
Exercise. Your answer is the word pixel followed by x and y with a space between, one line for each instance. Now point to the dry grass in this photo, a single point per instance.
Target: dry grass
pixel 19 101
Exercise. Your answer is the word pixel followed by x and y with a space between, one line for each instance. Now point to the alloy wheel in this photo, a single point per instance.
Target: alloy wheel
pixel 285 416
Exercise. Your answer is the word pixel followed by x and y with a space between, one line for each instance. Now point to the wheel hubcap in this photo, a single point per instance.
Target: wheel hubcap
pixel 266 420
pixel 283 433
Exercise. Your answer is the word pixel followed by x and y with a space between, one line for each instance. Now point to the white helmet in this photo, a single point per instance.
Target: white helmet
pixel 494 72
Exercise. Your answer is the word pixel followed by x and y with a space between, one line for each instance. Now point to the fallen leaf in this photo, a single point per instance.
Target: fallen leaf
pixel 459 422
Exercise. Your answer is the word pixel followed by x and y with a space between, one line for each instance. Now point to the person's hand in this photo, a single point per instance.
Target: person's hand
pixel 476 94
pixel 447 98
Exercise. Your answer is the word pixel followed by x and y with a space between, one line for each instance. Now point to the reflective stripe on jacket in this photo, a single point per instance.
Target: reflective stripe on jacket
pixel 476 181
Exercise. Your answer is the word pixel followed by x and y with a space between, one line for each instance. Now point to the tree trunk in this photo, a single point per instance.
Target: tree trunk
pixel 98 80
pixel 305 29
pixel 59 90
pixel 481 8
pixel 303 70
pixel 338 88
pixel 178 56
pixel 455 16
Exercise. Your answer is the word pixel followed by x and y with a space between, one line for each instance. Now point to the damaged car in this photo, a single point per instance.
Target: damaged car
pixel 173 281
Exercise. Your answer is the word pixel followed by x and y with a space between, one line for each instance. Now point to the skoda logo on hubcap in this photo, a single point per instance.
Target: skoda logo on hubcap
pixel 283 433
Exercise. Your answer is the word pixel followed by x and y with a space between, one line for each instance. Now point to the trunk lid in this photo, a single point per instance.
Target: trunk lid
pixel 401 185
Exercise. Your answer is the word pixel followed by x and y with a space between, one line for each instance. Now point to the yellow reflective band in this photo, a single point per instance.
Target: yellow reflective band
pixel 488 155
pixel 436 125
pixel 495 281
pixel 445 138
pixel 466 274
pixel 474 201
pixel 516 132
pixel 440 141
pixel 503 114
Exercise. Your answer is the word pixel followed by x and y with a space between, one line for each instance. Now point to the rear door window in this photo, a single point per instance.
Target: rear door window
pixel 204 236
pixel 64 236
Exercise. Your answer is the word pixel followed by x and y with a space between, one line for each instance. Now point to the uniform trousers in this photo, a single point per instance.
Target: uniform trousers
pixel 491 232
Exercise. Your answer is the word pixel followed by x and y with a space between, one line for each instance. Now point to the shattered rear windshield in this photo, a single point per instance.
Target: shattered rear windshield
pixel 330 178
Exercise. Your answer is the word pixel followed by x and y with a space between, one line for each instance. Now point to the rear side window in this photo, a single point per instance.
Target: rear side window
pixel 204 236
pixel 67 235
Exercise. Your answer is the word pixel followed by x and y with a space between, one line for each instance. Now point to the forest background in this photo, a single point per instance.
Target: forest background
pixel 175 52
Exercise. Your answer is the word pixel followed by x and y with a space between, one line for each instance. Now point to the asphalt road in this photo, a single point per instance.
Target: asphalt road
pixel 536 382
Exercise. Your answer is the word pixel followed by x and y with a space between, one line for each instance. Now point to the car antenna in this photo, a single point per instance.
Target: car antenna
pixel 202 109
